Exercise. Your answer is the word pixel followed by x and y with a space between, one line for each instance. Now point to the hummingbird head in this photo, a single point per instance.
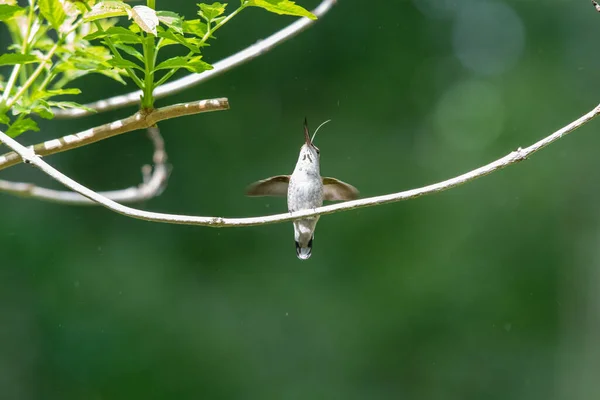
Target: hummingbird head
pixel 308 160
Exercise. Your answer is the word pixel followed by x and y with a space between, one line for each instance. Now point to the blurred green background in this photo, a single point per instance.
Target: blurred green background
pixel 487 291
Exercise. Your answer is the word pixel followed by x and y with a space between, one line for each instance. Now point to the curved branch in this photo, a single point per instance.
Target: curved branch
pixel 249 53
pixel 518 155
pixel 153 184
pixel 140 120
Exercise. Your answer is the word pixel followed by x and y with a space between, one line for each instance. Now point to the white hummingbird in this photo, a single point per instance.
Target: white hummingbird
pixel 305 189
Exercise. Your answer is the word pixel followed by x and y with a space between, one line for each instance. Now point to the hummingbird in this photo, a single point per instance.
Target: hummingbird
pixel 305 189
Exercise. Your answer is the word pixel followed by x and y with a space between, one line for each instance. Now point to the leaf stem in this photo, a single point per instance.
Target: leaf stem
pixel 221 23
pixel 204 39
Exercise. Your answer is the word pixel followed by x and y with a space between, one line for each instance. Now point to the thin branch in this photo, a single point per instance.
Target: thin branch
pixel 140 120
pixel 260 48
pixel 154 182
pixel 514 157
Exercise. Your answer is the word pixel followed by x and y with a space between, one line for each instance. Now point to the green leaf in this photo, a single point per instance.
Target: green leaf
pixel 14 58
pixel 211 11
pixel 18 109
pixel 107 9
pixel 44 94
pixel 7 11
pixel 171 20
pixel 112 74
pixel 80 5
pixel 282 7
pixel 92 58
pixel 70 75
pixel 187 42
pixel 195 27
pixel 4 118
pixel 130 50
pixel 145 18
pixel 20 126
pixel 123 63
pixel 42 108
pixel 193 64
pixel 63 105
pixel 116 33
pixel 60 92
pixel 53 11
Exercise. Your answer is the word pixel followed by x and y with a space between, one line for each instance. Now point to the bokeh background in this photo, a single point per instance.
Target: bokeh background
pixel 487 291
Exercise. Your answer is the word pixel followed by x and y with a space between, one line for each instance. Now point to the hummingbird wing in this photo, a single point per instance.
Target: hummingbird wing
pixel 273 186
pixel 334 189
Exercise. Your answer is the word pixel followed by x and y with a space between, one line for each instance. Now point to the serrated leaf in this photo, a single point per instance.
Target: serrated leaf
pixel 42 108
pixel 92 58
pixel 171 20
pixel 130 50
pixel 123 63
pixel 193 64
pixel 107 9
pixel 8 11
pixel 18 109
pixel 44 94
pixel 145 18
pixel 81 6
pixel 63 105
pixel 71 74
pixel 82 63
pixel 14 58
pixel 60 92
pixel 195 27
pixel 282 7
pixel 24 125
pixel 117 33
pixel 112 74
pixel 187 42
pixel 211 11
pixel 53 11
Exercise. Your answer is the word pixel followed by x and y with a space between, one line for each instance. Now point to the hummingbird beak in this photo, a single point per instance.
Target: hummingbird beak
pixel 306 134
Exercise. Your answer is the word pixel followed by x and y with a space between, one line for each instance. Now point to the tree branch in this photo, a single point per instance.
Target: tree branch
pixel 518 155
pixel 250 53
pixel 154 182
pixel 140 120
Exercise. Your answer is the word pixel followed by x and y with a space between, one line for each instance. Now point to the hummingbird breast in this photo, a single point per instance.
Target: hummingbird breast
pixel 305 191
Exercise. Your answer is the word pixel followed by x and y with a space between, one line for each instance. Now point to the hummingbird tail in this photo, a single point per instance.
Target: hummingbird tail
pixel 304 253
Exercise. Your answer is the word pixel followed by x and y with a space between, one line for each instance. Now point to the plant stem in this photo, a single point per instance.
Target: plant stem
pixel 51 75
pixel 150 61
pixel 24 50
pixel 33 76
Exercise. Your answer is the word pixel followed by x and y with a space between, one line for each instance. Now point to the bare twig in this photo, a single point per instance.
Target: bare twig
pixel 154 182
pixel 139 120
pixel 261 47
pixel 518 155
